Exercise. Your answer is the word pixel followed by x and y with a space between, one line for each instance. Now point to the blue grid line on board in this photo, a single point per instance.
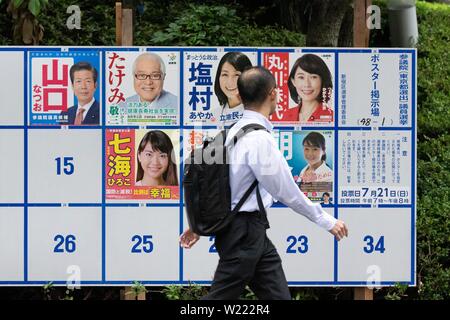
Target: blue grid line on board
pixel 394 128
pixel 12 127
pixel 155 205
pixel 37 205
pixel 336 160
pixel 283 128
pixel 346 205
pixel 130 49
pixel 77 205
pixel 3 48
pixel 197 49
pixel 162 127
pixel 32 50
pixel 103 99
pixel 354 50
pixel 88 49
pixel 412 51
pixel 109 127
pixel 47 126
pixel 84 127
pixel 276 50
pixel 395 206
pixel 205 282
pixel 12 205
pixel 413 169
pixel 181 86
pixel 355 128
pixel 181 207
pixel 241 49
pixel 319 50
pixel 108 204
pixel 193 127
pixel 182 127
pixel 162 49
pixel 25 162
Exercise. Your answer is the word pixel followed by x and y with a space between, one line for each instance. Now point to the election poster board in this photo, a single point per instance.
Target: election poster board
pixel 94 140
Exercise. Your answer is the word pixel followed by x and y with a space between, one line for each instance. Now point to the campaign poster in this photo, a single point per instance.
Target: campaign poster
pixel 142 88
pixel 310 155
pixel 142 164
pixel 305 84
pixel 211 95
pixel 64 87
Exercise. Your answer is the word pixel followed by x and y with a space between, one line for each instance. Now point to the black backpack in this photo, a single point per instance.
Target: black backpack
pixel 206 183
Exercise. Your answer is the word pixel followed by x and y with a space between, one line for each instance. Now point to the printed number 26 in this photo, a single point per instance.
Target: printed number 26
pixel 65 244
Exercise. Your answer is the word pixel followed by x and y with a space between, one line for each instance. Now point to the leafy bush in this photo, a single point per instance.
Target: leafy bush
pixel 433 148
pixel 221 26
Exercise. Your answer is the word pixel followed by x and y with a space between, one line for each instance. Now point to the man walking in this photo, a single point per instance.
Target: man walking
pixel 247 256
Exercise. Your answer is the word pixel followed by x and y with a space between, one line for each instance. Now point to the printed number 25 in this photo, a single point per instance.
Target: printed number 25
pixel 143 243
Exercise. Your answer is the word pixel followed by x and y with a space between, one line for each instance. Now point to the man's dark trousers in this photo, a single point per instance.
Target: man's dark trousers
pixel 248 257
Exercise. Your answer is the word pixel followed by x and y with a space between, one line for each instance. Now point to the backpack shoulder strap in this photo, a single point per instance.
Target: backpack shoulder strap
pixel 244 130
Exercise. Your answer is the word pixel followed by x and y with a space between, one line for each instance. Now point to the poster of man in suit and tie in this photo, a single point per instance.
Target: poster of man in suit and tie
pixel 64 88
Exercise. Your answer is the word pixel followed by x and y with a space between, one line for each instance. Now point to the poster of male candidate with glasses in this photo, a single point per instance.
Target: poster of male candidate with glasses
pixel 142 88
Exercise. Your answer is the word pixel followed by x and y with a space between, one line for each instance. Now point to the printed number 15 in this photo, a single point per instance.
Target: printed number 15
pixel 68 168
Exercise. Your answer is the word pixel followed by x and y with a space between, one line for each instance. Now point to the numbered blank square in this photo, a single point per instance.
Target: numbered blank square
pixel 12 89
pixel 203 251
pixel 65 166
pixel 65 243
pixel 12 162
pixel 307 250
pixel 142 243
pixel 11 244
pixel 378 247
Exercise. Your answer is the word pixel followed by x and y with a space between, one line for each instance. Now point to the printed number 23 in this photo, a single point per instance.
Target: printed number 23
pixel 212 248
pixel 68 168
pixel 302 241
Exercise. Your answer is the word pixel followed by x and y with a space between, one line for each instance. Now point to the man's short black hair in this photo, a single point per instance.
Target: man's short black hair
pixel 254 85
pixel 83 65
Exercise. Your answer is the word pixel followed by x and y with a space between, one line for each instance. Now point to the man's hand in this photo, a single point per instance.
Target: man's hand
pixel 188 238
pixel 339 230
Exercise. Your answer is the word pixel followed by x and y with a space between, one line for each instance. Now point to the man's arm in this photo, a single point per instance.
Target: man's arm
pixel 273 173
pixel 188 238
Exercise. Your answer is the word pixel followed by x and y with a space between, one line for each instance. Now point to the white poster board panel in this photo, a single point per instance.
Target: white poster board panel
pixel 205 252
pixel 12 88
pixel 375 89
pixel 65 166
pixel 307 251
pixel 11 244
pixel 142 243
pixel 378 245
pixel 375 167
pixel 64 244
pixel 12 163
